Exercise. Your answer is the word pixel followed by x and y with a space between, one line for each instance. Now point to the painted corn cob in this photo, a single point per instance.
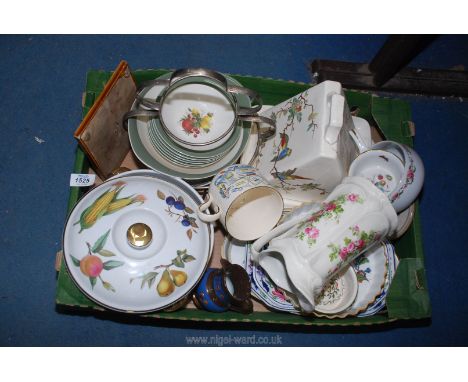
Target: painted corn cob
pixel 91 214
pixel 118 204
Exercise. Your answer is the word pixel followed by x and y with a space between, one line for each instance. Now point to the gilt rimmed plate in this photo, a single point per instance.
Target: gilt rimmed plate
pixel 380 301
pixel 116 275
pixel 371 270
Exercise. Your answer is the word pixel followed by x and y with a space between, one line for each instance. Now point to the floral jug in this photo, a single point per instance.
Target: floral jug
pixel 306 252
pixel 312 149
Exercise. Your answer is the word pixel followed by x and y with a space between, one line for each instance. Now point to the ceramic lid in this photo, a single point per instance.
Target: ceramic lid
pixel 135 244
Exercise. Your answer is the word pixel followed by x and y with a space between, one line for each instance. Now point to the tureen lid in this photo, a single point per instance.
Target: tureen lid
pixel 135 243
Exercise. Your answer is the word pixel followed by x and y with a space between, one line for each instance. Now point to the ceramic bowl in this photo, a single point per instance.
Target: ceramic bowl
pixel 384 169
pixel 199 116
pixel 413 179
pixel 338 295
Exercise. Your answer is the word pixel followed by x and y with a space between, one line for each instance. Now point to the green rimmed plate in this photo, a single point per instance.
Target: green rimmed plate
pixel 174 156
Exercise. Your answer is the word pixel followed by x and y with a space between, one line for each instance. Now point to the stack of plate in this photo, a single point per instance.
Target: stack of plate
pixel 375 270
pixel 155 148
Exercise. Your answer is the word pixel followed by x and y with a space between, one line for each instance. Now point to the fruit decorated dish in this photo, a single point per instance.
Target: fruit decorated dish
pixel 134 243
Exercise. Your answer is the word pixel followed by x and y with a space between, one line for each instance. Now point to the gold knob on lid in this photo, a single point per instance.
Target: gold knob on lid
pixel 139 235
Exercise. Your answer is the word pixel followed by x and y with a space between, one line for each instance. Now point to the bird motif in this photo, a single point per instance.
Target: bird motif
pixel 283 149
pixel 287 175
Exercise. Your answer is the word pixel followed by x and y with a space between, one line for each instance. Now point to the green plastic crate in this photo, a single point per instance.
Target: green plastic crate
pixel 408 296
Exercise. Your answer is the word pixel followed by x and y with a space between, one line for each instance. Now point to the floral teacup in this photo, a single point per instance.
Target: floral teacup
pixel 382 168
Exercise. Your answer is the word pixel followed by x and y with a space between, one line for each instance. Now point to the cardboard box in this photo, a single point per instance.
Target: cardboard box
pixel 408 296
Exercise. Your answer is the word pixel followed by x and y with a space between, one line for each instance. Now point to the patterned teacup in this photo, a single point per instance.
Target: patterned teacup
pixel 412 180
pixel 247 206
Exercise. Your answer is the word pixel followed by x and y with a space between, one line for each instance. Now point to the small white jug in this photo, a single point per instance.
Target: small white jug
pixel 305 253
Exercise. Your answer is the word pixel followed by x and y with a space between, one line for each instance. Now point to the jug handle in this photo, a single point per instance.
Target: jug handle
pixel 358 141
pixel 336 118
pixel 277 231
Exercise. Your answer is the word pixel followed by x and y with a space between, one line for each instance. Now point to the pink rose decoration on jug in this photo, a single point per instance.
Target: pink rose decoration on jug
pixel 312 232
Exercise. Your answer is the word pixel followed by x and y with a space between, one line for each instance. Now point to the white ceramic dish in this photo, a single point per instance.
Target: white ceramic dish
pixel 177 181
pixel 371 270
pixel 198 116
pixel 413 179
pixel 163 165
pixel 120 277
pixel 163 140
pixel 338 295
pixel 384 169
pixel 173 157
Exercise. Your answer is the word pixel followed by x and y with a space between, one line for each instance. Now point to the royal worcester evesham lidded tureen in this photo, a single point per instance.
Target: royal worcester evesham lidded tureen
pixel 135 244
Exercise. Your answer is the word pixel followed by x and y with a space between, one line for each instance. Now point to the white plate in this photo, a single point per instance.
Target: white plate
pixel 405 218
pixel 371 270
pixel 115 275
pixel 379 302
